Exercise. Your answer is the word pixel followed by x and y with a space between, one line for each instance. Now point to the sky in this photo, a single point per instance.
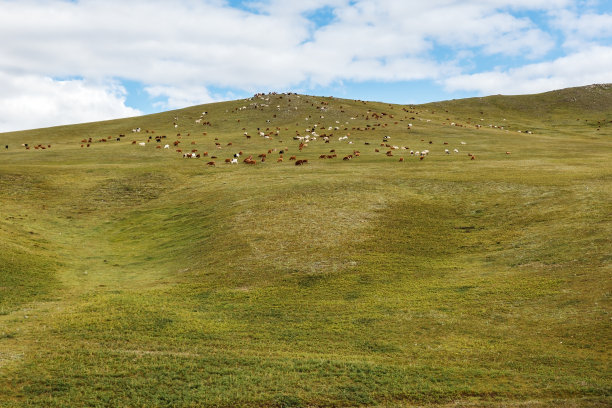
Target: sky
pixel 76 61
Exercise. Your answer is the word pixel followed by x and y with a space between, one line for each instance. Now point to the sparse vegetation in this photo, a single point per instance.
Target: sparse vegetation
pixel 130 276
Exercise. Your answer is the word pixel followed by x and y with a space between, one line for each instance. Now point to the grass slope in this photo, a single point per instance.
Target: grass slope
pixel 133 277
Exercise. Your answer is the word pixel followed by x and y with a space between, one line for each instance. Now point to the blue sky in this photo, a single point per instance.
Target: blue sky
pixel 82 60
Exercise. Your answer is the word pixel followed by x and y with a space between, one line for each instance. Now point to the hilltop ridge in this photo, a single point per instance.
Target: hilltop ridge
pixel 590 99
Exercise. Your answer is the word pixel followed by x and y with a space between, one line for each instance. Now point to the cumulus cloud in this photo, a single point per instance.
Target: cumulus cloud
pixel 31 101
pixel 180 97
pixel 582 30
pixel 572 70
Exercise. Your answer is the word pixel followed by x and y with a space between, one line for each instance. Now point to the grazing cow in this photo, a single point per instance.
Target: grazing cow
pixel 507 152
pixel 6 147
pixel 228 160
pixel 166 146
pixel 142 144
pixel 279 160
pixel 292 158
pixel 211 163
pixel 401 159
pixel 234 161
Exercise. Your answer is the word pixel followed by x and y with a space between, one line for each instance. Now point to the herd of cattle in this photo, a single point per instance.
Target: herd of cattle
pixel 312 133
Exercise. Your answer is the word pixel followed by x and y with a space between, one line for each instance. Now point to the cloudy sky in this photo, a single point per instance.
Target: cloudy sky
pixel 85 60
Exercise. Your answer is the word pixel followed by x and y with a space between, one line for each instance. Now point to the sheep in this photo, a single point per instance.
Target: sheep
pixel 167 146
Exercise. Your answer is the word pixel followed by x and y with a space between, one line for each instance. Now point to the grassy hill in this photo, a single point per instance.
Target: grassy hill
pixel 131 276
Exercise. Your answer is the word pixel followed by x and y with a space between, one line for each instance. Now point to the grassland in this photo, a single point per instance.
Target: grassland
pixel 130 276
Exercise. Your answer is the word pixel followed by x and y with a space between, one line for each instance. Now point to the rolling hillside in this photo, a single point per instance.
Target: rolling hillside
pixel 132 276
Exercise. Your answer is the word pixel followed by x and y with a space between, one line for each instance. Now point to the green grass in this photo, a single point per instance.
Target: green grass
pixel 133 277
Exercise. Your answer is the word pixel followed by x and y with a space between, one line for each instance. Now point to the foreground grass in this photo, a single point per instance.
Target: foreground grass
pixel 160 282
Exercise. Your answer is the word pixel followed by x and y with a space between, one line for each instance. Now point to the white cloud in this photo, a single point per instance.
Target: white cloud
pixel 189 42
pixel 581 30
pixel 593 65
pixel 180 97
pixel 30 101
